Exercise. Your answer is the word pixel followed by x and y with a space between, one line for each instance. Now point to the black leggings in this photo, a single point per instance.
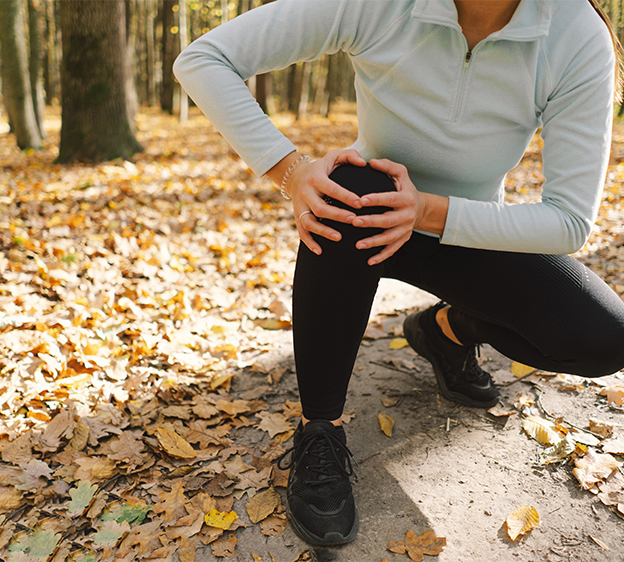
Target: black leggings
pixel 547 311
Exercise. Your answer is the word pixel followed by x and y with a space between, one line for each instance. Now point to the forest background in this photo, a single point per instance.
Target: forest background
pixel 145 279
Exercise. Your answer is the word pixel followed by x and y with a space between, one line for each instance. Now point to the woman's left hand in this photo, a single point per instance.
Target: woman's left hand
pixel 407 204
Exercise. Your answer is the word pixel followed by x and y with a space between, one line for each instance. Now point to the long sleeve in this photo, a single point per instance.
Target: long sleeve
pixel 577 120
pixel 213 68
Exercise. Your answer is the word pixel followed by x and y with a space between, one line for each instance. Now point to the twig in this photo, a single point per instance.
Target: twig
pixel 520 378
pixel 541 407
pixel 390 367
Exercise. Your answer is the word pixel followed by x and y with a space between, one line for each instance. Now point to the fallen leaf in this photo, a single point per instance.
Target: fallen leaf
pixel 611 491
pixel 273 525
pixel 224 547
pixel 614 394
pixel 602 428
pixel 542 430
pixel 500 411
pixel 398 343
pixel 262 505
pixel 81 497
pixel 273 424
pixel 614 446
pixel 386 423
pixel 520 370
pixel 521 521
pixel 220 520
pixel 593 468
pixel 416 546
pixel 389 402
pixel 174 445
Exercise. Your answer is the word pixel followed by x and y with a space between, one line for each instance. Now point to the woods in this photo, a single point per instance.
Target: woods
pixel 102 61
pixel 147 382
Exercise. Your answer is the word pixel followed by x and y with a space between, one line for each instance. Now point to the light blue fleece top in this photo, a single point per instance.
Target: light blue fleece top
pixel 458 121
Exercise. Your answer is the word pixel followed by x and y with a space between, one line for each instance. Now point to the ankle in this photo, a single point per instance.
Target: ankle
pixel 444 325
pixel 336 423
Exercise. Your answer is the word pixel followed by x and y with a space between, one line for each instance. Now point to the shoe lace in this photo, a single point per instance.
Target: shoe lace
pixel 471 365
pixel 323 461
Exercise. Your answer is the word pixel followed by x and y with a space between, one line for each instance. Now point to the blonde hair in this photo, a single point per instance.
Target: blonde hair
pixel 617 47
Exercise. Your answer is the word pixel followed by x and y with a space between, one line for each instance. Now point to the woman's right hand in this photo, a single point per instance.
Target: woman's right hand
pixel 309 185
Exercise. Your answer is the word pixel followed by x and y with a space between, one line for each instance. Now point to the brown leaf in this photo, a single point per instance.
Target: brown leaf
pixel 33 475
pixel 174 445
pixel 95 468
pixel 224 547
pixel 19 451
pixel 262 505
pixel 185 526
pixel 614 394
pixel 127 448
pixel 273 525
pixel 172 502
pixel 273 424
pixel 61 426
pixel 416 546
pixel 10 498
pixel 594 468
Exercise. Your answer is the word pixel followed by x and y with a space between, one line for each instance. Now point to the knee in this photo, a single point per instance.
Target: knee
pixel 362 180
pixel 602 355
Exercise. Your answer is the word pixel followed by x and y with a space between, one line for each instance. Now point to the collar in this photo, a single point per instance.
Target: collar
pixel 531 20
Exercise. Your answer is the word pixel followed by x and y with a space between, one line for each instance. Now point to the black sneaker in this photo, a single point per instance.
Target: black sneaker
pixel 319 499
pixel 459 376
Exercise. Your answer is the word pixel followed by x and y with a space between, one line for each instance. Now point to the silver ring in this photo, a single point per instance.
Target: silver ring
pixel 304 213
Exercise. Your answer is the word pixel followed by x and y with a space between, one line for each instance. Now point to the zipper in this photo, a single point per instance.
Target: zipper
pixel 459 102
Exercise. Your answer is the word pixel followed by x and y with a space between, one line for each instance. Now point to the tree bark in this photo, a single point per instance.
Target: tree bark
pixel 51 70
pixel 36 70
pixel 169 42
pixel 95 125
pixel 15 74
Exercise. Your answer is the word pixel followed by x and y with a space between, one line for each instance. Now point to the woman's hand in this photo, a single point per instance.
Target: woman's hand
pixel 409 207
pixel 310 184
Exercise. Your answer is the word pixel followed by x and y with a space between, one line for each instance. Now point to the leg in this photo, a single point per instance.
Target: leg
pixel 332 297
pixel 547 311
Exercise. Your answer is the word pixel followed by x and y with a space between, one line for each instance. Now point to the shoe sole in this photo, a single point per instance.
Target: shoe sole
pixel 419 345
pixel 329 539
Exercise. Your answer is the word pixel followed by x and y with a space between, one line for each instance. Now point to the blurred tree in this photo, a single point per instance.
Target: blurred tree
pixel 95 125
pixel 35 34
pixel 16 88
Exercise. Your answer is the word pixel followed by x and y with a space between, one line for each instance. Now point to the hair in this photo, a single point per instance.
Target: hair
pixel 617 47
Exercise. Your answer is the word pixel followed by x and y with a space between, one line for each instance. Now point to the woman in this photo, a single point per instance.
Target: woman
pixel 450 93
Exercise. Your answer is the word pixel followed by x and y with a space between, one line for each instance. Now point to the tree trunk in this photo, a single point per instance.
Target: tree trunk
pixel 51 71
pixel 15 74
pixel 263 92
pixel 150 55
pixel 132 100
pixel 36 70
pixel 168 55
pixel 95 125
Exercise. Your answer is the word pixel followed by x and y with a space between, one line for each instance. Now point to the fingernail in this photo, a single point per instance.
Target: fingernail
pixel 365 201
pixel 317 251
pixel 351 218
pixel 372 262
pixel 362 246
pixel 335 237
pixel 358 222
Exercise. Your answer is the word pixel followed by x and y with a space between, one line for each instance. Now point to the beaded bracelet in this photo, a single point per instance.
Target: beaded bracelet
pixel 289 172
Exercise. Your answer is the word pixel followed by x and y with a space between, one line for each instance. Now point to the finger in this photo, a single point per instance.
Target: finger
pixel 389 167
pixel 384 238
pixel 311 224
pixel 328 187
pixel 351 156
pixel 308 240
pixel 386 220
pixel 385 253
pixel 324 210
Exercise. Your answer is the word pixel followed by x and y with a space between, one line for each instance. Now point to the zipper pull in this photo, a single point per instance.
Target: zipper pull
pixel 467 59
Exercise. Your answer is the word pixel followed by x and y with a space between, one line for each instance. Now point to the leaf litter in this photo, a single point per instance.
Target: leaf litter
pixel 130 295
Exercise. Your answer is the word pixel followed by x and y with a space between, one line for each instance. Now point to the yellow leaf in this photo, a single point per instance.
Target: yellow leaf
pixel 520 370
pixel 542 430
pixel 386 423
pixel 174 445
pixel 398 343
pixel 220 519
pixel 262 505
pixel 522 521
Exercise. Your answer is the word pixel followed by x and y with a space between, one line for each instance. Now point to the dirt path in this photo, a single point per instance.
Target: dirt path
pixel 455 470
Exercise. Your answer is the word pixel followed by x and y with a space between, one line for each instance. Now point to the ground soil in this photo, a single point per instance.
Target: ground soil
pixel 455 470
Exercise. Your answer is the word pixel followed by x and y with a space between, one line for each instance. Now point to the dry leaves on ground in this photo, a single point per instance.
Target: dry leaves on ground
pixel 416 546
